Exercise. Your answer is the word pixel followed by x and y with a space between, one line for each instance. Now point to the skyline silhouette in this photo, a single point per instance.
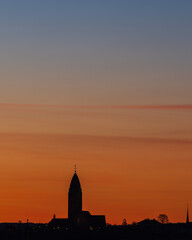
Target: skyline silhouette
pixel 83 219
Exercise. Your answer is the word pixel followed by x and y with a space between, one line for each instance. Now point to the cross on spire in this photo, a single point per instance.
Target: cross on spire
pixel 75 168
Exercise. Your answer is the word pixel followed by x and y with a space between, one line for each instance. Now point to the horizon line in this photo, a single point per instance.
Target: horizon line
pixel 157 106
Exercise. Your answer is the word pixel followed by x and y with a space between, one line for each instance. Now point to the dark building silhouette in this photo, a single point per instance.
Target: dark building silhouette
pixel 148 222
pixel 77 218
pixel 74 198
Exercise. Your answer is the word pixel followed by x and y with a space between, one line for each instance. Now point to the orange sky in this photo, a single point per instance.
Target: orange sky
pixel 132 163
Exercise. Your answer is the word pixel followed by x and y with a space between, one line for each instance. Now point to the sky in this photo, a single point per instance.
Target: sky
pixel 96 52
pixel 105 85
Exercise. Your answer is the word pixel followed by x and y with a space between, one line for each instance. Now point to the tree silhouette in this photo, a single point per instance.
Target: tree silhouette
pixel 163 218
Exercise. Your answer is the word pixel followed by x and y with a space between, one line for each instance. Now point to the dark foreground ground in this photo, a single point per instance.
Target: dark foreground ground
pixel 130 232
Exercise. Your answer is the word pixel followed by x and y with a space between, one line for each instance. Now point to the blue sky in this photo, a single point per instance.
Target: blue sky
pixel 96 52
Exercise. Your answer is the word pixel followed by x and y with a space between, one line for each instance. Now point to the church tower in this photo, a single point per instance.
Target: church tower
pixel 74 197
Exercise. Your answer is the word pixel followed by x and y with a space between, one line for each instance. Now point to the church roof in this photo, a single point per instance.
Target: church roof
pixel 75 183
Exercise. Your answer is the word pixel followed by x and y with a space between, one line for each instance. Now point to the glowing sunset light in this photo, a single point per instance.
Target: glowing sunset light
pixel 105 85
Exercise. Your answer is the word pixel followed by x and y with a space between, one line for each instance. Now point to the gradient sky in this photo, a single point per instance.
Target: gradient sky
pixel 56 58
pixel 96 52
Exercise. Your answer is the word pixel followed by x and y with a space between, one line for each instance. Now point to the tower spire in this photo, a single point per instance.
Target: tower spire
pixel 74 197
pixel 187 219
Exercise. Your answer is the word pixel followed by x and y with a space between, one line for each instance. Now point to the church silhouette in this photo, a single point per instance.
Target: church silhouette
pixel 77 218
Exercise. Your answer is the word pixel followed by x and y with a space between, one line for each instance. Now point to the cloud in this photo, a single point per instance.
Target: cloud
pixel 81 139
pixel 155 107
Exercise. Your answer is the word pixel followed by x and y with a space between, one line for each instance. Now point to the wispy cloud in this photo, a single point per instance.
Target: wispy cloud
pixel 160 107
pixel 88 139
